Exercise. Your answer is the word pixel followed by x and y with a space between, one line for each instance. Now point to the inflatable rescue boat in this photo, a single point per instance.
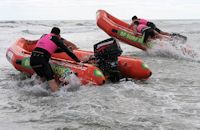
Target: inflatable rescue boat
pixel 119 29
pixel 19 56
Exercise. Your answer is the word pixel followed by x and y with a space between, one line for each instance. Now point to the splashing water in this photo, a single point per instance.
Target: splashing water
pixel 35 87
pixel 174 49
pixel 74 83
pixel 168 100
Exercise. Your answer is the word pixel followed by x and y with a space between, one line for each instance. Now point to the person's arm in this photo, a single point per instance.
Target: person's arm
pixel 135 30
pixel 59 50
pixel 157 35
pixel 131 26
pixel 60 44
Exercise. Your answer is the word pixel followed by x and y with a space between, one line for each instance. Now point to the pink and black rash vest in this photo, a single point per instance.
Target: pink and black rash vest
pixel 47 44
pixel 143 21
pixel 141 27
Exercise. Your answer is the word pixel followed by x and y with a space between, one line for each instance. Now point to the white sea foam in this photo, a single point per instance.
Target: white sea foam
pixel 168 100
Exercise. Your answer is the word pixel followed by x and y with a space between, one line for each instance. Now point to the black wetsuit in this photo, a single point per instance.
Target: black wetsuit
pixel 148 33
pixel 153 26
pixel 39 59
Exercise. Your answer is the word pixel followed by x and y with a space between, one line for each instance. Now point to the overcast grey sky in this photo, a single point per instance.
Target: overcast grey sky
pixel 86 9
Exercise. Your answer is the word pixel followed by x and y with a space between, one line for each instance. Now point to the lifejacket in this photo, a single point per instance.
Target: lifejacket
pixel 143 21
pixel 46 43
pixel 141 28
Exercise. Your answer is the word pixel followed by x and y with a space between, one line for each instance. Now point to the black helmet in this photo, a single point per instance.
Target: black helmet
pixel 136 23
pixel 134 17
pixel 55 30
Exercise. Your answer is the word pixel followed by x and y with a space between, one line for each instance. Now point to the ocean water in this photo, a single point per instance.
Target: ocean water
pixel 169 100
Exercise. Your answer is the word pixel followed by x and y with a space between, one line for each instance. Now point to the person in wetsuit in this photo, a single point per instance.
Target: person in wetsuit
pixel 145 30
pixel 149 24
pixel 40 56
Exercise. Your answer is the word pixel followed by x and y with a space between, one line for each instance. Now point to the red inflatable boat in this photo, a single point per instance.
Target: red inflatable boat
pixel 18 55
pixel 119 29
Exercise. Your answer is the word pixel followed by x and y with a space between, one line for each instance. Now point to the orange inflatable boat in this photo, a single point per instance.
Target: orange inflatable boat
pixel 18 55
pixel 119 29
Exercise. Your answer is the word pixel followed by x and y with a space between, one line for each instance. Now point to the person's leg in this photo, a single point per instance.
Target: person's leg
pixel 153 26
pixel 42 67
pixel 148 34
pixel 42 79
pixel 160 36
pixel 165 33
pixel 161 32
pixel 49 75
pixel 53 85
pixel 39 72
pixel 37 66
pixel 146 37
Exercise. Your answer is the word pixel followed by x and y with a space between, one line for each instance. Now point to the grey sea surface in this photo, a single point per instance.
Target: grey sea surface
pixel 168 100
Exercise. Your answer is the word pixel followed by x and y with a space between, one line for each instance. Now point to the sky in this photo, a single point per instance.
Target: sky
pixel 86 9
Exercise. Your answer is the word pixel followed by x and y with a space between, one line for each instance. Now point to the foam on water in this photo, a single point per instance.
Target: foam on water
pixel 168 100
pixel 175 49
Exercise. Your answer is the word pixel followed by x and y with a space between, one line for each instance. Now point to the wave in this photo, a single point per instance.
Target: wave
pixel 81 29
pixel 7 26
pixel 37 24
pixel 80 24
pixel 26 31
pixel 194 32
pixel 86 23
pixel 11 22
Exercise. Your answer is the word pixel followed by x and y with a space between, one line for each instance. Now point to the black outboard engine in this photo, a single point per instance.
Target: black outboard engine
pixel 106 52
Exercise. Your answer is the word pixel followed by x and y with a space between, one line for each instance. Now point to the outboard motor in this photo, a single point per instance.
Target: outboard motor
pixel 106 53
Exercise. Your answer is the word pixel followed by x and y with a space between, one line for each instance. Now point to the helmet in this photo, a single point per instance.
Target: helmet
pixel 134 17
pixel 55 30
pixel 136 23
